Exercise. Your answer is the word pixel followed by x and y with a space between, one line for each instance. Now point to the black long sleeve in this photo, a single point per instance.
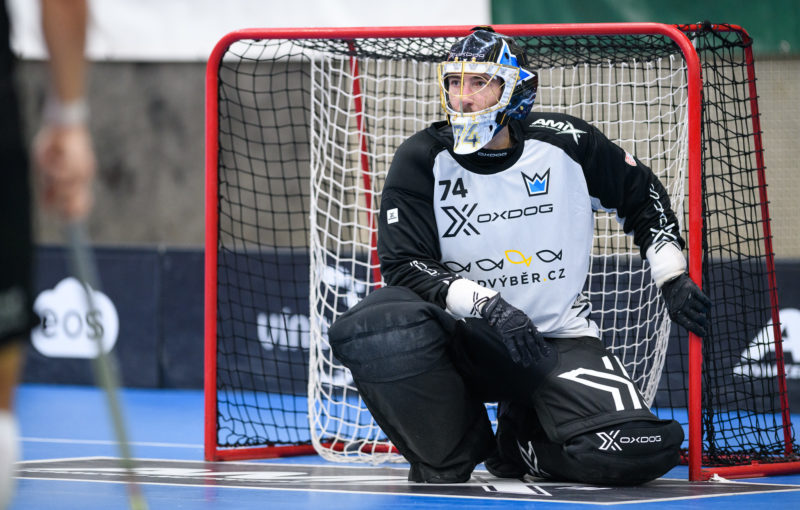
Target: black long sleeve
pixel 408 238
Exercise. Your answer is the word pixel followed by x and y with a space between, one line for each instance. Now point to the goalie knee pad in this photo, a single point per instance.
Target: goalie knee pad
pixel 396 346
pixel 589 389
pixel 628 453
pixel 625 454
pixel 587 422
pixel 391 334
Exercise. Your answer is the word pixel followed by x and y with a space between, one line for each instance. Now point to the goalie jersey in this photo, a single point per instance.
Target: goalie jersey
pixel 518 221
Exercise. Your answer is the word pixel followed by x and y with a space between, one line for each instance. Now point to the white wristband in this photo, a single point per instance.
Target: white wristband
pixel 666 262
pixel 73 113
pixel 466 298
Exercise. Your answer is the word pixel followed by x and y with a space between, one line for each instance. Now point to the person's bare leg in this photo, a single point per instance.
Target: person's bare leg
pixel 10 367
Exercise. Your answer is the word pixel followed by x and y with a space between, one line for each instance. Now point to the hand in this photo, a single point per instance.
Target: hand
pixel 687 304
pixel 524 343
pixel 65 166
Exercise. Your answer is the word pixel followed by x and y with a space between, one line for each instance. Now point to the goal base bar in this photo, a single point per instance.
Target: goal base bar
pixel 274 452
pixel 265 452
pixel 754 470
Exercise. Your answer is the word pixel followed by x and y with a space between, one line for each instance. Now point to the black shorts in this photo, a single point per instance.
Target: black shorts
pixel 16 288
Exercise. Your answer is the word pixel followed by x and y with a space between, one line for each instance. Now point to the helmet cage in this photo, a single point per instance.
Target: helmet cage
pixel 507 74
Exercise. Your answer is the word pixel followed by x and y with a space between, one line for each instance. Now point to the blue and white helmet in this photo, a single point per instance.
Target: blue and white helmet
pixel 486 52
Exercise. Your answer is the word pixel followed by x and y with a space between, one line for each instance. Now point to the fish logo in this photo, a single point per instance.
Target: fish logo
pixel 549 255
pixel 517 257
pixel 489 264
pixel 457 267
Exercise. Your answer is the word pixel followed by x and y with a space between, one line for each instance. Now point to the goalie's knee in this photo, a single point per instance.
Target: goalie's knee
pixel 391 334
pixel 629 453
pixel 625 454
pixel 396 346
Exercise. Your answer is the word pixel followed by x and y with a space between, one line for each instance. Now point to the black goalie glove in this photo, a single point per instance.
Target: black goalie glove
pixel 526 346
pixel 687 304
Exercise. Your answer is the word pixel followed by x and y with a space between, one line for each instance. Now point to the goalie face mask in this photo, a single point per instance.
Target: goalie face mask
pixel 483 85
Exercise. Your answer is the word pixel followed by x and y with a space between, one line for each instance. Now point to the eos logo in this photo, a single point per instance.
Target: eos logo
pixel 68 329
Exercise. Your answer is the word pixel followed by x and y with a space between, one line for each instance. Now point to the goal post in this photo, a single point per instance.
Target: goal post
pixel 301 126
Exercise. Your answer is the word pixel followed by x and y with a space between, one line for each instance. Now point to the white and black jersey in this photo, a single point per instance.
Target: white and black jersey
pixel 519 221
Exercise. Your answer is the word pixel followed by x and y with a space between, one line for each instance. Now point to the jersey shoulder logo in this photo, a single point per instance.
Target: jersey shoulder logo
pixel 562 127
pixel 538 184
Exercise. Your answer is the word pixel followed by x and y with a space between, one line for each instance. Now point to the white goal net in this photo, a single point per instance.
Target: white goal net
pixel 361 110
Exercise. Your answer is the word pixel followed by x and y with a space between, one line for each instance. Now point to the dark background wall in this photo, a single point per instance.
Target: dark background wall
pixel 158 296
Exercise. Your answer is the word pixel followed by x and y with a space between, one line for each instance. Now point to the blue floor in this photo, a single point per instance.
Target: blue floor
pixel 70 422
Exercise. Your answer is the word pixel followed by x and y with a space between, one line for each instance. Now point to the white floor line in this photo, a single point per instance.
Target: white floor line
pixel 106 442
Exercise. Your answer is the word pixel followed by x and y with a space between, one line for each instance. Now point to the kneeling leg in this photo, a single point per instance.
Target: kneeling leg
pixel 395 345
pixel 628 453
pixel 587 423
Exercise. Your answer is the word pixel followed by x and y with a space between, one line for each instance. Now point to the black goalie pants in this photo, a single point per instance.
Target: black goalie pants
pixel 425 378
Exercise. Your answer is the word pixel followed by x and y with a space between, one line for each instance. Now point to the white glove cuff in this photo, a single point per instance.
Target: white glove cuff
pixel 466 298
pixel 666 262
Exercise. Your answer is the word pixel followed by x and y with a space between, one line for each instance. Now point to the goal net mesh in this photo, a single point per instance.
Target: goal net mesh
pixel 307 131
